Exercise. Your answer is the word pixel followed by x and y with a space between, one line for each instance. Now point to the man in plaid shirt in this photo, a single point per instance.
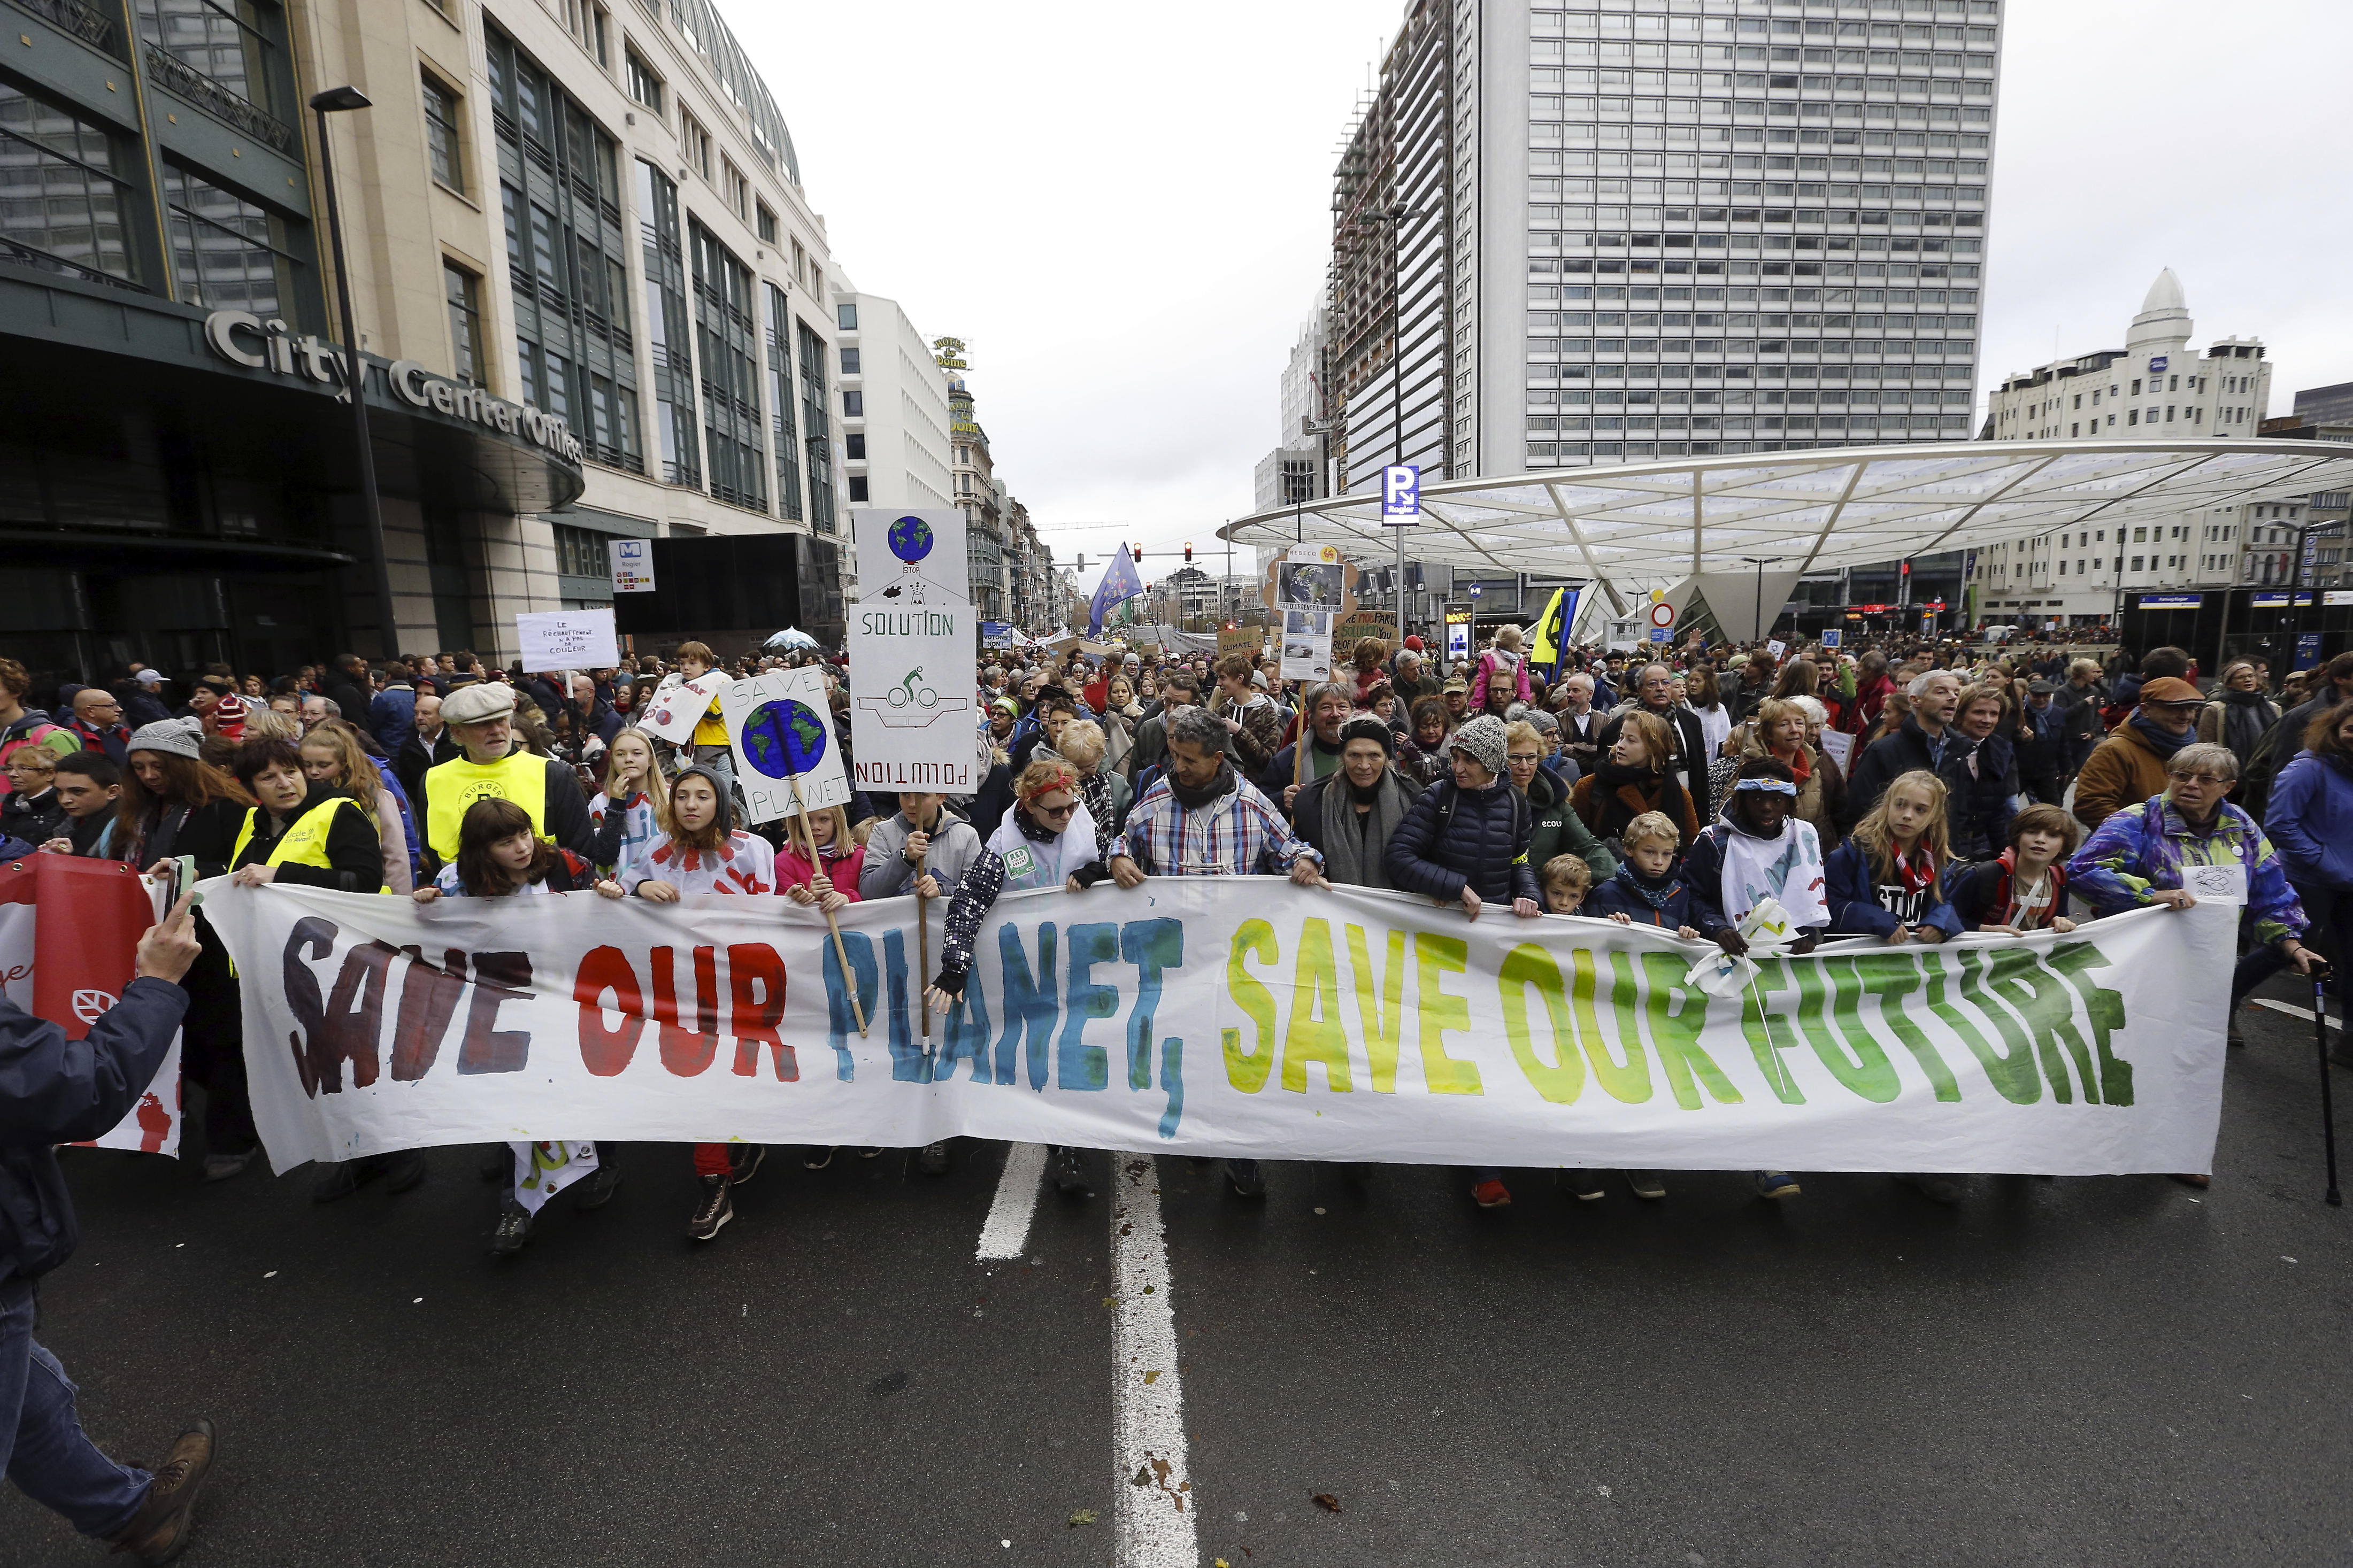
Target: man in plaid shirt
pixel 1201 818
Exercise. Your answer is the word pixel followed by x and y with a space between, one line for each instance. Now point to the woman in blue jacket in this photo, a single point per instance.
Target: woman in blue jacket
pixel 1466 839
pixel 1888 878
pixel 2310 821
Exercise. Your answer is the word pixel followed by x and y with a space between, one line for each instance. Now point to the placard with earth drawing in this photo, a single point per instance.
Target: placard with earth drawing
pixel 782 730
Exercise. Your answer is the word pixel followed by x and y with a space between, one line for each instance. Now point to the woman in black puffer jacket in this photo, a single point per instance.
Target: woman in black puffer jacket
pixel 1466 839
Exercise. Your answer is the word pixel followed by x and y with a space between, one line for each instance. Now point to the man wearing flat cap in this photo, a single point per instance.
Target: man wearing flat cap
pixel 480 717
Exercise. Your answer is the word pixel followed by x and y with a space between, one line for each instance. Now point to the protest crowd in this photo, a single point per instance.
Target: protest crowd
pixel 1903 792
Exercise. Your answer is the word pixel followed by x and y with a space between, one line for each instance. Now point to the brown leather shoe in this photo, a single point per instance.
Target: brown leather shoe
pixel 159 1531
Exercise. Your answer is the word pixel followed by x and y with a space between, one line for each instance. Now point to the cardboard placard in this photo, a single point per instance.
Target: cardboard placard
pixel 781 730
pixel 911 696
pixel 677 705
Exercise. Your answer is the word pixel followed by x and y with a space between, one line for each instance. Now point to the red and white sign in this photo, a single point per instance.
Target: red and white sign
pixel 1662 615
pixel 69 931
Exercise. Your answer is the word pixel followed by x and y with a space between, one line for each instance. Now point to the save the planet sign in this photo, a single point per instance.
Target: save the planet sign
pixel 783 735
pixel 911 645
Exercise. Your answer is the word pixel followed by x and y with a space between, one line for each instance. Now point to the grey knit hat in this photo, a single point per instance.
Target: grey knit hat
pixel 1482 738
pixel 179 737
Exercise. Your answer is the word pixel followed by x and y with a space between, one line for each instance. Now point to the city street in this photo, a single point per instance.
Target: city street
pixel 2072 1371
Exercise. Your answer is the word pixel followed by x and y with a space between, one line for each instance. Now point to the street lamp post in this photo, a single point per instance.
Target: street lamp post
pixel 1760 563
pixel 337 100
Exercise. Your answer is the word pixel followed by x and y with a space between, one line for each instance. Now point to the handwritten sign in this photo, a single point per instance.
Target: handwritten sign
pixel 567 639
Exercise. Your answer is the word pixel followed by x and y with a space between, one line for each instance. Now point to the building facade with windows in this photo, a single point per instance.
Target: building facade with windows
pixel 895 450
pixel 1579 231
pixel 592 300
pixel 2154 388
pixel 1296 471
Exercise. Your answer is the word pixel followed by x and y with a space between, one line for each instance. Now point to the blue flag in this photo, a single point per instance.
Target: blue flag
pixel 1119 584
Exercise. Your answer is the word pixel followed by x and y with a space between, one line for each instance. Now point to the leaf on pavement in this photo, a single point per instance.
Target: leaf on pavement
pixel 1084 1516
pixel 1327 1502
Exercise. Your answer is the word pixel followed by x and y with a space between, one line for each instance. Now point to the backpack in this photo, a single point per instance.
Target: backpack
pixel 36 733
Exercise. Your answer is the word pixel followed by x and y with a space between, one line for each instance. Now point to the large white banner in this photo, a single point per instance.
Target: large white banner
pixel 1239 1016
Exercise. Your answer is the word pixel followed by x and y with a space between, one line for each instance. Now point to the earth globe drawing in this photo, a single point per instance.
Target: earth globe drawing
pixel 784 738
pixel 910 539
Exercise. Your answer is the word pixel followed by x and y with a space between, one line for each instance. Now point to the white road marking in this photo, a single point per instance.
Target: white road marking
pixel 1156 1518
pixel 2292 1010
pixel 1007 1232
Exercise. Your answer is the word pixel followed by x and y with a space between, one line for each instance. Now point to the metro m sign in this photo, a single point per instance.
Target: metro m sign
pixel 1401 495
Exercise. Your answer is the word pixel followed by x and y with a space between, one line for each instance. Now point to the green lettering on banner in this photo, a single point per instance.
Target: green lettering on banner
pixel 1247 1070
pixel 1434 956
pixel 1077 1065
pixel 1628 1082
pixel 2105 1010
pixel 1317 1034
pixel 1893 977
pixel 2020 1044
pixel 2047 1007
pixel 1675 1034
pixel 1867 1072
pixel 1769 1033
pixel 1562 1080
pixel 2011 1072
pixel 1382 1012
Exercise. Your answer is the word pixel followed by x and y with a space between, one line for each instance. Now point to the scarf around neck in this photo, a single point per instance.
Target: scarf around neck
pixel 1656 892
pixel 1222 783
pixel 1353 845
pixel 2161 741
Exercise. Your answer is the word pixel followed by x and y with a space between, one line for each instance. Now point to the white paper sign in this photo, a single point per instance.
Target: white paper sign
pixel 633 564
pixel 910 695
pixel 2216 884
pixel 678 706
pixel 1306 646
pixel 911 557
pixel 782 730
pixel 567 639
pixel 1840 746
pixel 1777 648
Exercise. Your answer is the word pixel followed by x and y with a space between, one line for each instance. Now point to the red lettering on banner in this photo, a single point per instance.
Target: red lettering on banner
pixel 428 1000
pixel 755 976
pixel 606 1052
pixel 354 1020
pixel 687 1052
pixel 497 977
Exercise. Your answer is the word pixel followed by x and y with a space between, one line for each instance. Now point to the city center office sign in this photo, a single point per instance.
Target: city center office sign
pixel 244 339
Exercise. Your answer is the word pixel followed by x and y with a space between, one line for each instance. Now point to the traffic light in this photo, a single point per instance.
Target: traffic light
pixel 1189 553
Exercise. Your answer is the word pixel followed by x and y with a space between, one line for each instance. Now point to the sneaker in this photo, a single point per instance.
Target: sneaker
pixel 1249 1181
pixel 514 1229
pixel 816 1157
pixel 340 1179
pixel 1070 1175
pixel 1935 1189
pixel 223 1167
pixel 746 1163
pixel 1646 1183
pixel 404 1172
pixel 159 1531
pixel 2232 1036
pixel 870 1154
pixel 1585 1187
pixel 932 1161
pixel 1492 1194
pixel 602 1183
pixel 1776 1185
pixel 713 1210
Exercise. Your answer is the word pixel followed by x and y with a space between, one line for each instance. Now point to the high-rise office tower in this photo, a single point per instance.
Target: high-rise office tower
pixel 1594 231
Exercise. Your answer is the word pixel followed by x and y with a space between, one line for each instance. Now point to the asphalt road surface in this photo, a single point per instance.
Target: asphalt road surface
pixel 2091 1371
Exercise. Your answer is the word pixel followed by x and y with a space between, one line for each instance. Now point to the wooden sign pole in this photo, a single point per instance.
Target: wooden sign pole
pixel 840 953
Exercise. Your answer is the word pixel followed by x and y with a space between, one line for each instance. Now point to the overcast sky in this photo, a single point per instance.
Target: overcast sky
pixel 1124 210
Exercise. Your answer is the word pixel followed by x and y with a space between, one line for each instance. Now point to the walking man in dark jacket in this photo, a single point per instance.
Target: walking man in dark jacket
pixel 55 1090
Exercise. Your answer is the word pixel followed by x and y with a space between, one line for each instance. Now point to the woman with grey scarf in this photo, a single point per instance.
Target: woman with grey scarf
pixel 1348 815
pixel 2240 712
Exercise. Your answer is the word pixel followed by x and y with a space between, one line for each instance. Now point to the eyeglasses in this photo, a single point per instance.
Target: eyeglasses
pixel 1522 759
pixel 1044 810
pixel 2202 779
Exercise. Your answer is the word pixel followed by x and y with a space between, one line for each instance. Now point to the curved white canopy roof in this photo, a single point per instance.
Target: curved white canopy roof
pixel 1650 525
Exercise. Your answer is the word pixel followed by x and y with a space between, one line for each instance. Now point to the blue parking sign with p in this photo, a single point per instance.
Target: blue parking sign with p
pixel 1401 493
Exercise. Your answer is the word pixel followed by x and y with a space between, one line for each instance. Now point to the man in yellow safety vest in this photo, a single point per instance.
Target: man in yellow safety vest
pixel 481 717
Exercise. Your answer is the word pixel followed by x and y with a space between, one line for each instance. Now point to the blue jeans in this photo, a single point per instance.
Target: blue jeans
pixel 42 1446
